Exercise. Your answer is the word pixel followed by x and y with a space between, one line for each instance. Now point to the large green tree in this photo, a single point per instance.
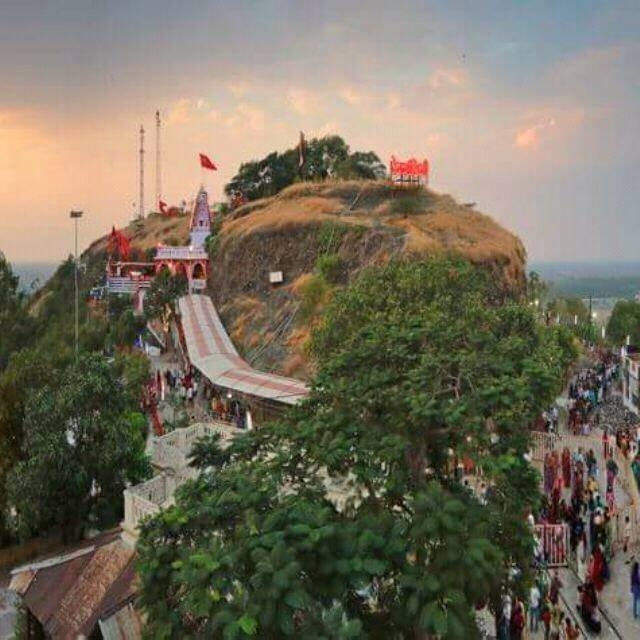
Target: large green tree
pixel 160 301
pixel 344 519
pixel 81 446
pixel 624 321
pixel 27 371
pixel 325 157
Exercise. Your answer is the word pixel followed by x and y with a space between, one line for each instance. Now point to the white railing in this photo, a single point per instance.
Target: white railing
pixel 172 450
pixel 123 284
pixel 198 284
pixel 171 454
pixel 555 543
pixel 146 499
pixel 180 253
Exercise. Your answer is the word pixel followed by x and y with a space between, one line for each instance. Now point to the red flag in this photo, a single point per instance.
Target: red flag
pixel 206 163
pixel 163 207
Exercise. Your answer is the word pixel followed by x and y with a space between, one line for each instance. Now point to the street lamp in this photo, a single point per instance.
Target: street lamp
pixel 74 215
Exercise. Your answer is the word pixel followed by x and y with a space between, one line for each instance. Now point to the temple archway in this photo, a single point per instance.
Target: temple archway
pixel 199 272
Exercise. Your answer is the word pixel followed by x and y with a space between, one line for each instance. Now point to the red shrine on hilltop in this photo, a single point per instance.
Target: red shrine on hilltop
pixel 134 278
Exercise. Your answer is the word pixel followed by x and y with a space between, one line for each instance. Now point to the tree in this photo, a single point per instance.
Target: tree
pixel 568 309
pixel 16 325
pixel 624 321
pixel 159 303
pixel 81 447
pixel 27 371
pixel 344 519
pixel 537 288
pixel 325 157
pixel 134 371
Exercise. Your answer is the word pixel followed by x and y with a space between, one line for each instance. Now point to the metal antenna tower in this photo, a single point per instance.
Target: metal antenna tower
pixel 158 168
pixel 141 201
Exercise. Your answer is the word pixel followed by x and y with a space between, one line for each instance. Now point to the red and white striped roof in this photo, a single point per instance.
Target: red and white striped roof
pixel 212 352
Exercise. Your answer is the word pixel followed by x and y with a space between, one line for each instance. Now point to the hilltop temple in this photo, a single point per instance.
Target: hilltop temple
pixel 134 278
pixel 192 260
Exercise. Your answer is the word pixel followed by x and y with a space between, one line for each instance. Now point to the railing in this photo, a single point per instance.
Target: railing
pixel 555 543
pixel 198 284
pixel 172 450
pixel 180 253
pixel 122 284
pixel 147 499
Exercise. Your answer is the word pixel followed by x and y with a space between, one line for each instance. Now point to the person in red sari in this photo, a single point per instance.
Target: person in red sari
pixel 556 495
pixel 566 467
pixel 596 568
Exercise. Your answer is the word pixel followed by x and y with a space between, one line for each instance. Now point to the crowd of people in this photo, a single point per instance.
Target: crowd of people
pixel 579 518
pixel 202 399
pixel 588 518
pixel 589 390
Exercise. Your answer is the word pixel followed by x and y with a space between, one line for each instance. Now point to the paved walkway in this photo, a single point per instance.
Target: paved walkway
pixel 615 598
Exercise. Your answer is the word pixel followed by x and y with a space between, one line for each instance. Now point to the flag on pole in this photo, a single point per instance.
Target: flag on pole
pixel 206 163
pixel 163 207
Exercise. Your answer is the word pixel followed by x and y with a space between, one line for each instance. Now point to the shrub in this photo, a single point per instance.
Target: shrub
pixel 330 234
pixel 330 267
pixel 314 293
pixel 408 205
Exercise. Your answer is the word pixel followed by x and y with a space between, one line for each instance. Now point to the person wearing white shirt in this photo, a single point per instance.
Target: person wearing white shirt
pixel 534 608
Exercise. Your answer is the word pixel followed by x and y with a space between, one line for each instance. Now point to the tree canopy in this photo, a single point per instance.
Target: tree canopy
pixel 624 321
pixel 81 445
pixel 16 325
pixel 325 157
pixel 345 519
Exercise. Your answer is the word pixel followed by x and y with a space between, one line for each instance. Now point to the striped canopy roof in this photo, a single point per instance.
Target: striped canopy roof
pixel 212 352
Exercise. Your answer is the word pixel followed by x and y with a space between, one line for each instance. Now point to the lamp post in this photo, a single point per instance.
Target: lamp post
pixel 74 215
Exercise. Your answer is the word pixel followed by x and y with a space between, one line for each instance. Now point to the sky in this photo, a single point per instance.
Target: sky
pixel 529 108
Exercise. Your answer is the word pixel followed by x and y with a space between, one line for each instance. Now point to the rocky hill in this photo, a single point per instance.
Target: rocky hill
pixel 320 235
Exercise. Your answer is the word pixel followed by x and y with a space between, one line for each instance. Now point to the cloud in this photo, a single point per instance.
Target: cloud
pixel 351 96
pixel 238 88
pixel 530 137
pixel 247 116
pixel 180 111
pixel 448 78
pixel 393 101
pixel 302 101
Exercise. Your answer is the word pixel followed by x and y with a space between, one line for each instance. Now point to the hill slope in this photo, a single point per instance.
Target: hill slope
pixel 320 235
pixel 351 224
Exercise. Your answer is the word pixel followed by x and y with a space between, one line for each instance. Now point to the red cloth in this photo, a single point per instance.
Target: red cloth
pixel 566 467
pixel 206 163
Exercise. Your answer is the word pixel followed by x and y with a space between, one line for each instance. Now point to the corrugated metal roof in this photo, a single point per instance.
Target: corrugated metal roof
pixel 50 585
pixel 212 352
pixel 69 596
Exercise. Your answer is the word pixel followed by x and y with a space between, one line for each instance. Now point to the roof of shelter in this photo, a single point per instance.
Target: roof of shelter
pixel 69 593
pixel 212 352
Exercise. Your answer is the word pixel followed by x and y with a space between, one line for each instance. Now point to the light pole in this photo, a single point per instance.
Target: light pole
pixel 75 215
